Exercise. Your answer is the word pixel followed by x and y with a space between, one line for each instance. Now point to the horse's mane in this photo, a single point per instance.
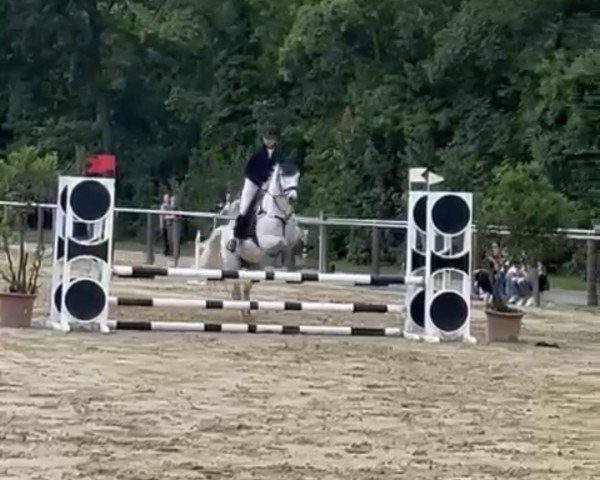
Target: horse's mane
pixel 288 169
pixel 231 208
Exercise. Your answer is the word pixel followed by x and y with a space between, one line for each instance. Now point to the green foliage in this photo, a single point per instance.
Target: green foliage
pixel 360 90
pixel 523 201
pixel 26 175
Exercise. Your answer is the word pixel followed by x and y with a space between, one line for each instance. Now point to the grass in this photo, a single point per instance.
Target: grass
pixel 566 282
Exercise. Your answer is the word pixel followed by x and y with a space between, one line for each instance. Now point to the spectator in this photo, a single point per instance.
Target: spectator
pixel 174 228
pixel 164 224
pixel 543 278
pixel 497 261
pixel 485 281
pixel 518 285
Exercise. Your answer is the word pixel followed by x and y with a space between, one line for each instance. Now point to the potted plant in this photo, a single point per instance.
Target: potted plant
pixel 26 175
pixel 521 212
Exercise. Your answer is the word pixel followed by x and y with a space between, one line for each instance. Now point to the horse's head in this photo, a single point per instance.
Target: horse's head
pixel 282 189
pixel 289 177
pixel 277 210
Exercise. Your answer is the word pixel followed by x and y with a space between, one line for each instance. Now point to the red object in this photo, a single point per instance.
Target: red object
pixel 101 166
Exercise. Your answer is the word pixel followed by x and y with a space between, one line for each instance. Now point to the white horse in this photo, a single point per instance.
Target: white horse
pixel 297 240
pixel 276 232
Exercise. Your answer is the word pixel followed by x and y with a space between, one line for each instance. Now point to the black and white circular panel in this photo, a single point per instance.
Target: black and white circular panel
pixel 90 201
pixel 419 213
pixel 417 308
pixel 448 307
pixel 85 299
pixel 415 299
pixel 449 311
pixel 451 214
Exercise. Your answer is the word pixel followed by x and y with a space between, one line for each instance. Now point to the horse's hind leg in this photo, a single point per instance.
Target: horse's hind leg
pixel 230 261
pixel 236 292
pixel 247 288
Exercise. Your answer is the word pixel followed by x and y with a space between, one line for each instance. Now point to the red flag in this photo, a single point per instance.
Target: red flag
pixel 101 166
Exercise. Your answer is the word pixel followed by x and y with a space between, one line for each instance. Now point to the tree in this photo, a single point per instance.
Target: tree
pixel 361 91
pixel 522 200
pixel 26 175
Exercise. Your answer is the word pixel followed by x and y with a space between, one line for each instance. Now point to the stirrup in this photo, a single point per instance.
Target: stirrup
pixel 232 245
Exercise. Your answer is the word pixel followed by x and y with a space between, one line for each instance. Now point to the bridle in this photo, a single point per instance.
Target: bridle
pixel 284 216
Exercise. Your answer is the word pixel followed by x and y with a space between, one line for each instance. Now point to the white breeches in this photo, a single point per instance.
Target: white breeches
pixel 248 192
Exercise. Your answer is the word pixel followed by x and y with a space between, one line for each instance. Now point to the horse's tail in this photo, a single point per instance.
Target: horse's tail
pixel 211 256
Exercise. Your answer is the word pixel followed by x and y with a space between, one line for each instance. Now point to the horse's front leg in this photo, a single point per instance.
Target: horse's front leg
pixel 273 257
pixel 238 293
pixel 243 293
pixel 246 314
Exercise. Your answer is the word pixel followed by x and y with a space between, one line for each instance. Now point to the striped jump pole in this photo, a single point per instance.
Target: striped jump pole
pixel 292 277
pixel 254 328
pixel 256 305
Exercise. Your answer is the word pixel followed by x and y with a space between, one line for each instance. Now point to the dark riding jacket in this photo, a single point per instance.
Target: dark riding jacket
pixel 260 166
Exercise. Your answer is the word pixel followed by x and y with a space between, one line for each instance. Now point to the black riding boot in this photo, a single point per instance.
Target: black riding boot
pixel 239 232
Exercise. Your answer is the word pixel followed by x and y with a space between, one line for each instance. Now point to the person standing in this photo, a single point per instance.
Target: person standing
pixel 175 229
pixel 164 221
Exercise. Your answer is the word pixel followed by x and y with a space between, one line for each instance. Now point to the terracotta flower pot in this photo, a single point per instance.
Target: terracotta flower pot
pixel 503 326
pixel 16 309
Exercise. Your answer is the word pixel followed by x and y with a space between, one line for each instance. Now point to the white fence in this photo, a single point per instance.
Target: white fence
pixel 591 236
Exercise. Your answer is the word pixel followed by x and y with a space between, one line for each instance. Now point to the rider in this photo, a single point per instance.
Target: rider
pixel 257 172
